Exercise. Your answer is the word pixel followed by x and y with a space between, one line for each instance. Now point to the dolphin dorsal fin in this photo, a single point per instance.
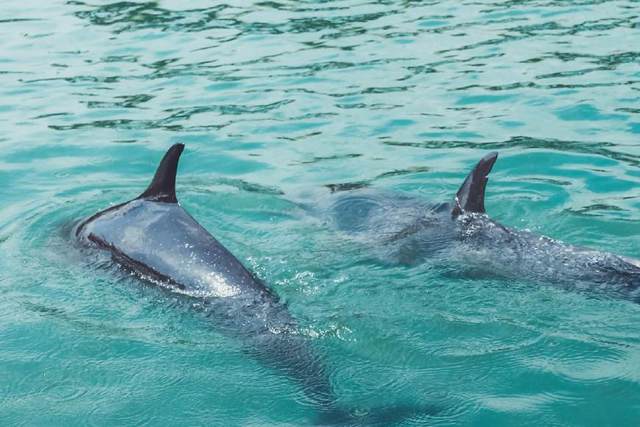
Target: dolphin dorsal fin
pixel 163 185
pixel 470 196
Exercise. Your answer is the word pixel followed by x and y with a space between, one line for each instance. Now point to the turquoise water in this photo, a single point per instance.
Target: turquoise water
pixel 275 102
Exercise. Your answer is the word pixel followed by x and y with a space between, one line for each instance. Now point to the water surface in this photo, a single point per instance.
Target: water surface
pixel 278 102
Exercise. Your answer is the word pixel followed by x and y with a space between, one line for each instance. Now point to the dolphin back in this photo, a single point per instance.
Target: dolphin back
pixel 154 236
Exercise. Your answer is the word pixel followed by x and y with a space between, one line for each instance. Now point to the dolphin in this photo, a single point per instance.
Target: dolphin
pixel 459 236
pixel 154 237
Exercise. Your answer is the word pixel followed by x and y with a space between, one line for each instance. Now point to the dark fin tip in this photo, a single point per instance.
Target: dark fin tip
pixel 163 185
pixel 470 196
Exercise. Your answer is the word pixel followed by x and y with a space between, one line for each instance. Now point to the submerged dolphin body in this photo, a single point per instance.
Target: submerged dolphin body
pixel 156 238
pixel 461 234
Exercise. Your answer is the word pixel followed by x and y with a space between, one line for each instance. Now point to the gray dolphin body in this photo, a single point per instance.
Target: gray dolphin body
pixel 156 238
pixel 460 233
pixel 153 236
